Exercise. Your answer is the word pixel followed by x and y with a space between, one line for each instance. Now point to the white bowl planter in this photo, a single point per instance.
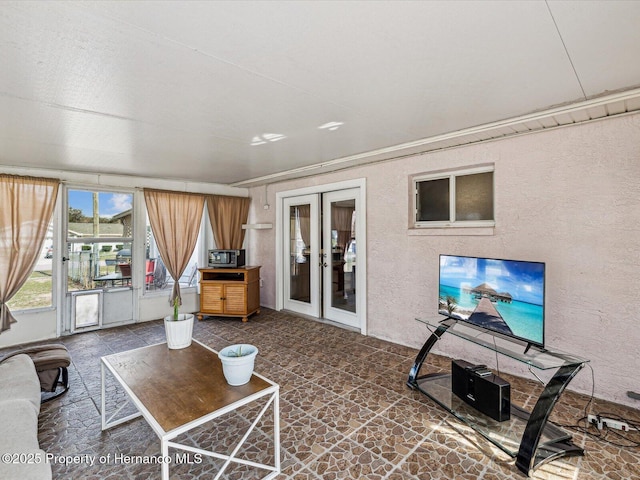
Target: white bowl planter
pixel 179 331
pixel 237 363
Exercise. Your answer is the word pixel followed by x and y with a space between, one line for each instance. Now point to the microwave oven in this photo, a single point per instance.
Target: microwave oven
pixel 226 258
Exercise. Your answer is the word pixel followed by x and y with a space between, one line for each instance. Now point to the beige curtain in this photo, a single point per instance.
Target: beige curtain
pixel 26 206
pixel 304 221
pixel 227 215
pixel 341 219
pixel 175 221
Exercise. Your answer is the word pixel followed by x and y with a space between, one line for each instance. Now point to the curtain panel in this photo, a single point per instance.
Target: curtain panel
pixel 25 215
pixel 342 219
pixel 303 213
pixel 227 215
pixel 175 221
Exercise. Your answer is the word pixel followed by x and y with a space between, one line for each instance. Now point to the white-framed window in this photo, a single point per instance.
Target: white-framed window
pixel 456 198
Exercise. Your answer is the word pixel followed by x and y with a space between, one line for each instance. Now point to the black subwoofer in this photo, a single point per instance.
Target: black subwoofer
pixel 481 389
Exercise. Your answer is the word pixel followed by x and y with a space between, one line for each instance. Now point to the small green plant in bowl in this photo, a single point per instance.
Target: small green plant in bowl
pixel 238 362
pixel 178 326
pixel 238 352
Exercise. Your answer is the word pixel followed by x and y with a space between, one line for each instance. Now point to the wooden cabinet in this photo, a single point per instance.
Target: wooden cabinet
pixel 229 292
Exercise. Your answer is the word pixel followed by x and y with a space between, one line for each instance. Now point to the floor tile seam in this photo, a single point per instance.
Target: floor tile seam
pixel 380 415
pixel 345 437
pixel 405 458
pixel 311 472
pixel 341 394
pixel 462 434
pixel 289 351
pixel 287 368
pixel 86 389
pixel 388 389
pixel 341 397
pixel 425 438
pixel 308 413
pixel 313 456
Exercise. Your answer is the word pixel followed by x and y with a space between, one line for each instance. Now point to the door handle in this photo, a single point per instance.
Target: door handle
pixel 64 259
pixel 323 264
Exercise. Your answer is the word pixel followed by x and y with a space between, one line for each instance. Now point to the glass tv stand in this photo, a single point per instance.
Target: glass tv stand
pixel 527 437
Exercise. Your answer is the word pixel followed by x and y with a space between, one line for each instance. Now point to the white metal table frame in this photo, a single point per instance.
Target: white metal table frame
pixel 166 437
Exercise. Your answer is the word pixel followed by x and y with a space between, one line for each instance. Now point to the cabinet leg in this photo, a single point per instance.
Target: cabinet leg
pixel 245 319
pixel 199 317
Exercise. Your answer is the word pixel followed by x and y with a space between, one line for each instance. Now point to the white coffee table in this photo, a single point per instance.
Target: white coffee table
pixel 178 390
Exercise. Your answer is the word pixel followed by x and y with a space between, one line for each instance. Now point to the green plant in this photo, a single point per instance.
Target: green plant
pixel 86 248
pixel 176 305
pixel 238 352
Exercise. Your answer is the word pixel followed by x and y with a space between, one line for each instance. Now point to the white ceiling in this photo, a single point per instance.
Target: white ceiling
pixel 181 90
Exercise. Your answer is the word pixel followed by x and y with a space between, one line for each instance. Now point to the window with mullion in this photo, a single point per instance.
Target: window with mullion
pixel 461 198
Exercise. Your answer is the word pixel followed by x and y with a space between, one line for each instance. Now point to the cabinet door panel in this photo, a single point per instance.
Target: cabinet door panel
pixel 211 295
pixel 235 298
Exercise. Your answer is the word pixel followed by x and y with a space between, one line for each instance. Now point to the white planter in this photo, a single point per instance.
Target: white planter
pixel 238 370
pixel 179 331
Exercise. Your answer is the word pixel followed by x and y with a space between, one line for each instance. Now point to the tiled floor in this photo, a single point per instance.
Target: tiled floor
pixel 345 413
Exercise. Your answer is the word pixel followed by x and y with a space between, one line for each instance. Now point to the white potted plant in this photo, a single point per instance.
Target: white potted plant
pixel 178 327
pixel 237 363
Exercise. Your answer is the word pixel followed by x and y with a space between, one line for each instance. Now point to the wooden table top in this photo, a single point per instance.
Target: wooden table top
pixel 179 386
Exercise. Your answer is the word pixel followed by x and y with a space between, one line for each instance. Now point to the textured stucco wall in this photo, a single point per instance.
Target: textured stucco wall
pixel 568 197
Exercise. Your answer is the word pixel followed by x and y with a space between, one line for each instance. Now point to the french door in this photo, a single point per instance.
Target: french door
pixel 339 222
pixel 301 234
pixel 319 267
pixel 96 264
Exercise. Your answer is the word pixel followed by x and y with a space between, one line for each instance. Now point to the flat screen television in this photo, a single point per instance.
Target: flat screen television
pixel 503 296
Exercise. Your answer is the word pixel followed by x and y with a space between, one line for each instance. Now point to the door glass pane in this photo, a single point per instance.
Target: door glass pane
pixel 343 255
pixel 99 214
pixel 433 200
pixel 300 279
pixel 99 239
pixel 474 197
pixel 97 265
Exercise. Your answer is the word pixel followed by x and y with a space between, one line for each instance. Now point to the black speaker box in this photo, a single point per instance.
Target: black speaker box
pixel 488 394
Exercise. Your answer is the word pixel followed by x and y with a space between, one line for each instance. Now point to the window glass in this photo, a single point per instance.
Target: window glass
pixel 460 198
pixel 474 197
pixel 300 280
pixel 433 200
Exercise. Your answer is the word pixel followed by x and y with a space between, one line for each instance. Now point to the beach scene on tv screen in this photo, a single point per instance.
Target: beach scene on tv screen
pixel 505 296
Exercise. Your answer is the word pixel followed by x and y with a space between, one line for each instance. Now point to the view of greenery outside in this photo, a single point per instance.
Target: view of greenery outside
pixel 98 239
pixel 81 269
pixel 76 216
pixel 35 293
pixel 94 259
pixel 90 258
